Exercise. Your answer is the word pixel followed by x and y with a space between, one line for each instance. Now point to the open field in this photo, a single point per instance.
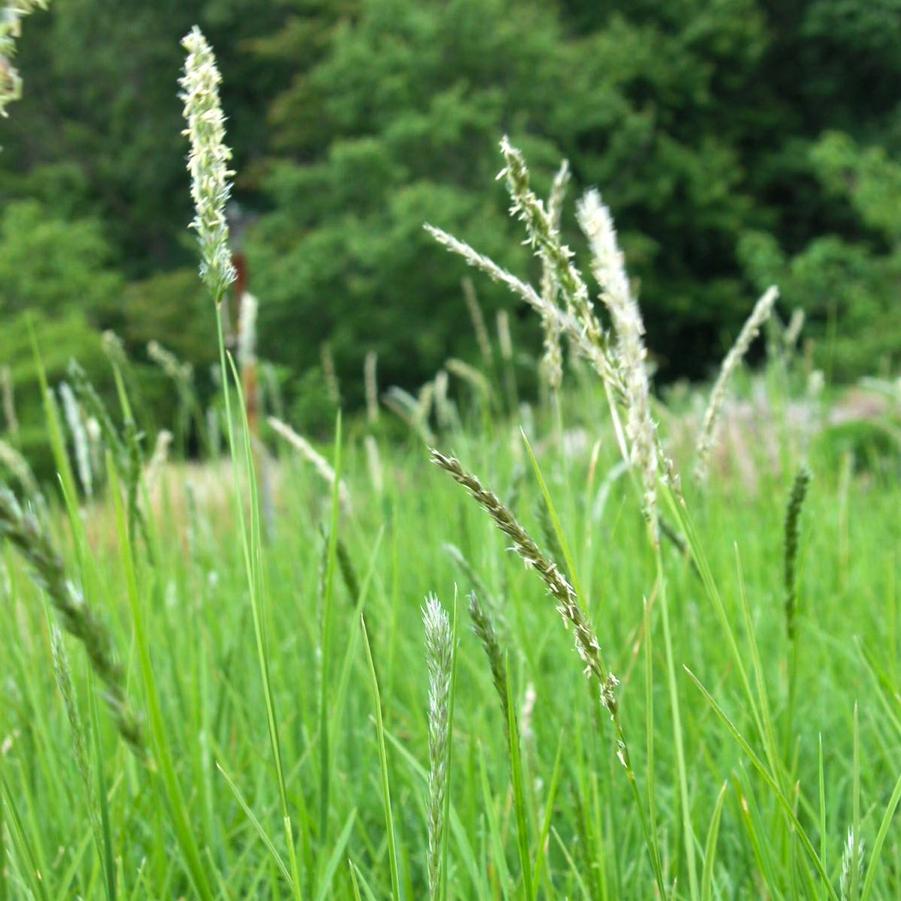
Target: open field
pixel 537 631
pixel 218 633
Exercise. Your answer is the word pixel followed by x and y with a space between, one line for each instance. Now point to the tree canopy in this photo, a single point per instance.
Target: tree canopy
pixel 738 143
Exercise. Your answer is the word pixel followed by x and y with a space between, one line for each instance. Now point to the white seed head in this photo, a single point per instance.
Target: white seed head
pixel 439 658
pixel 207 161
pixel 610 271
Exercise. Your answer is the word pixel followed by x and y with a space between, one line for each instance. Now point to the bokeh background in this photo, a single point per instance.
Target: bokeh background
pixel 738 143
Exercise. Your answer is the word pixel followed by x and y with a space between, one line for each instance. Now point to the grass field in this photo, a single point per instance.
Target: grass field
pixel 266 711
pixel 341 674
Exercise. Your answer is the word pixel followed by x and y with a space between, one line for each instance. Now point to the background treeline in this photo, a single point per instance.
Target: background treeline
pixel 738 142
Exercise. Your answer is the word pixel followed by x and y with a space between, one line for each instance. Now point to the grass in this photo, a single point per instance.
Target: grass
pixel 739 734
pixel 764 811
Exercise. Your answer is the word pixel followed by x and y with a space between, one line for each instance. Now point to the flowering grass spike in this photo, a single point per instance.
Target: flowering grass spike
pixel 207 162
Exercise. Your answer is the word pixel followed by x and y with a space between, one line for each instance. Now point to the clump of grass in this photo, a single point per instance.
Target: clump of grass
pixel 557 584
pixel 31 538
pixel 439 657
pixel 620 365
pixel 568 606
pixel 485 631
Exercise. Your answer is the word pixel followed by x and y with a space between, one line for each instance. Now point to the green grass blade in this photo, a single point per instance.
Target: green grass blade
pixel 383 769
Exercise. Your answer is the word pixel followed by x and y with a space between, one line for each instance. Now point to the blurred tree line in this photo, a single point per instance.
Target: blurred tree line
pixel 738 143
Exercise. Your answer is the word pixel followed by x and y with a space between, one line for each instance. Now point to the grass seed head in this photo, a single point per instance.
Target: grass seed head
pixel 439 658
pixel 587 645
pixel 207 162
pixel 748 333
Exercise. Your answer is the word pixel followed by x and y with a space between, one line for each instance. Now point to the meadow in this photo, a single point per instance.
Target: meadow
pixel 337 671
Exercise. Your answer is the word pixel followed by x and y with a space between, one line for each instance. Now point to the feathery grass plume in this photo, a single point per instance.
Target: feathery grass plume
pixel 439 657
pixel 72 412
pixel 593 353
pixel 610 271
pixel 371 386
pixel 790 547
pixel 26 533
pixel 852 868
pixel 8 397
pixel 557 584
pixel 748 333
pixel 553 253
pixel 478 319
pixel 10 30
pixel 320 464
pixel 207 162
pixel 483 626
pixel 374 464
pixel 552 362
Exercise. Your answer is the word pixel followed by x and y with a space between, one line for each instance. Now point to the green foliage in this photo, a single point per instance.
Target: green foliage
pixel 60 338
pixel 728 138
pixel 287 746
pixel 847 286
pixel 48 263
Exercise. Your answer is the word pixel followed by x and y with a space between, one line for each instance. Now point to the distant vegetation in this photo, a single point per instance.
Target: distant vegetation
pixel 738 143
